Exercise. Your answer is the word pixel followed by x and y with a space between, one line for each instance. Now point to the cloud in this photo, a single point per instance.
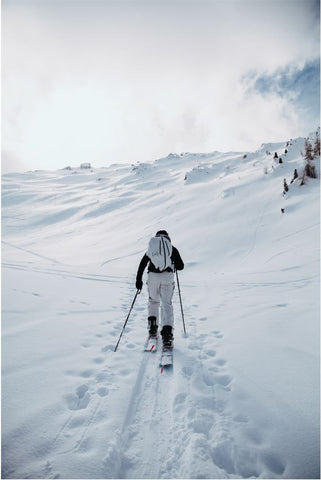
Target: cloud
pixel 299 86
pixel 133 80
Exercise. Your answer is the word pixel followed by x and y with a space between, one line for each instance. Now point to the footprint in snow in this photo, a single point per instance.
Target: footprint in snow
pixel 220 362
pixel 223 380
pixel 82 374
pixel 77 421
pixel 193 346
pixel 80 399
pixel 218 334
pixel 105 322
pixel 223 458
pixel 179 405
pixel 103 391
pixel 86 373
pixel 210 353
pixel 104 377
pixel 108 348
pixel 202 336
pixel 180 398
pixel 187 372
pixel 140 309
pixel 99 360
pixel 202 423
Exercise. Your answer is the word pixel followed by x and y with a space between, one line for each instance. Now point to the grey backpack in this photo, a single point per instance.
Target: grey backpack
pixel 159 252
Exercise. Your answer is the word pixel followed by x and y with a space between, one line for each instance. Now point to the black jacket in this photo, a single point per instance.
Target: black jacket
pixel 176 260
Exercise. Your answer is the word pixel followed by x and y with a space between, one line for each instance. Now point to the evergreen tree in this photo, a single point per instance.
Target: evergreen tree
pixel 285 187
pixel 295 175
pixel 308 155
pixel 316 148
pixel 309 168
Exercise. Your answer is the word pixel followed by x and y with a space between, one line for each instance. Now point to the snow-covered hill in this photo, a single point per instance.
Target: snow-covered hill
pixel 242 399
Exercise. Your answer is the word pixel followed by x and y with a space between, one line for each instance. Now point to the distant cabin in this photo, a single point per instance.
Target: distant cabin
pixel 85 165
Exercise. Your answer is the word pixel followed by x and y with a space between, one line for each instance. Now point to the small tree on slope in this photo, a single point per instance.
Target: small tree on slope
pixel 309 168
pixel 316 148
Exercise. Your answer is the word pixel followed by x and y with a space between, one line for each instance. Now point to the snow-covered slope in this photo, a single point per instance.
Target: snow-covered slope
pixel 242 399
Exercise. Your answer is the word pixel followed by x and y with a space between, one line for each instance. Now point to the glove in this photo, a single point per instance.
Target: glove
pixel 139 284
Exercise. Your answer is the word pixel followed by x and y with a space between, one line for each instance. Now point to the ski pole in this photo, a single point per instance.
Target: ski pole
pixel 180 300
pixel 138 291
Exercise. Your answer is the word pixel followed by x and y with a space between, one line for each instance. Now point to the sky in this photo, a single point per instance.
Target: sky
pixel 126 81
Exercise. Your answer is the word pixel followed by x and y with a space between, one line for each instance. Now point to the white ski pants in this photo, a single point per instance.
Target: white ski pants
pixel 160 290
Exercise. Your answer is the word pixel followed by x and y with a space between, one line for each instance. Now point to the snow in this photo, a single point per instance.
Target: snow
pixel 242 398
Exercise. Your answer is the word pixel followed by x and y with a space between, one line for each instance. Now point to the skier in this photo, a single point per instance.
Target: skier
pixel 163 260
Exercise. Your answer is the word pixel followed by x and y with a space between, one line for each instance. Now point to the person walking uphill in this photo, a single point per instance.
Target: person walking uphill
pixel 162 259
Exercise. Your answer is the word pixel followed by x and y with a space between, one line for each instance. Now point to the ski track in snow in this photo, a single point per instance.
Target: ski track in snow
pixel 164 421
pixel 51 260
pixel 63 272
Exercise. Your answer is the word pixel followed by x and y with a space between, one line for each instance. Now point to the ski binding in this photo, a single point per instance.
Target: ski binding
pixel 151 343
pixel 166 357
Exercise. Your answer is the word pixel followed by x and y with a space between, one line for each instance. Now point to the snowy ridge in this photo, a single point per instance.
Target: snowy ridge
pixel 242 399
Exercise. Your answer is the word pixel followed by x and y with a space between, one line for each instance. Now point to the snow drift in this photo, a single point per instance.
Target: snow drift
pixel 242 399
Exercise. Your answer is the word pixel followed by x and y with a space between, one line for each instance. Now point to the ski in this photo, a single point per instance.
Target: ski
pixel 166 359
pixel 151 343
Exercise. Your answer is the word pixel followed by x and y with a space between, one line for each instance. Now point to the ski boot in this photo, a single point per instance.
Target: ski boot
pixel 153 327
pixel 167 337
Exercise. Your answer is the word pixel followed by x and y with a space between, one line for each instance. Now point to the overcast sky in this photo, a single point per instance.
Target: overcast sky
pixel 113 81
